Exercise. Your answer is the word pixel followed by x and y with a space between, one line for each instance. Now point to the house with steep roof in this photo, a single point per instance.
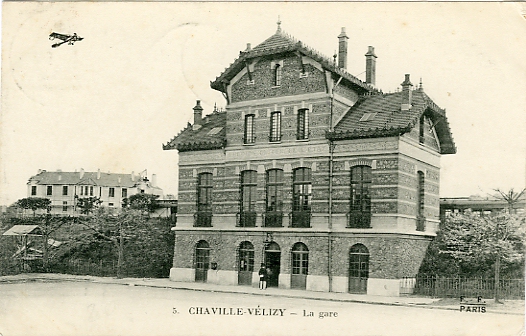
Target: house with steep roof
pixel 328 181
pixel 63 189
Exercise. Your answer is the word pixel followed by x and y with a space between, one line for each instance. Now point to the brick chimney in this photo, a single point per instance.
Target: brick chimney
pixel 342 49
pixel 370 66
pixel 407 92
pixel 198 115
pixel 81 174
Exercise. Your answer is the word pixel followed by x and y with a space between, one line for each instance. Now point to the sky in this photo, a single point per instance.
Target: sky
pixel 110 101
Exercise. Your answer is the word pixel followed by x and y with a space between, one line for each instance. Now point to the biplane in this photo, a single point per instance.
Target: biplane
pixel 69 39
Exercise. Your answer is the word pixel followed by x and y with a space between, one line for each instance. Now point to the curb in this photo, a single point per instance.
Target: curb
pixel 128 283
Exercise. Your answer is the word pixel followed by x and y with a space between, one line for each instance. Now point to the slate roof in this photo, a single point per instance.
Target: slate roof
pixel 281 42
pixel 390 120
pixel 89 178
pixel 203 138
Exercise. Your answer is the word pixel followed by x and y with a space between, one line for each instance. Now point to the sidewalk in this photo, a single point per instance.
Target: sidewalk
pixel 410 301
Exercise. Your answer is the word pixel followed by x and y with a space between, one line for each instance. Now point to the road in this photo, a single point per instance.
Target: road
pixel 85 308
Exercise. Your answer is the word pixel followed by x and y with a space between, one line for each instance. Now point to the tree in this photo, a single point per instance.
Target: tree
pixel 116 229
pixel 471 244
pixel 33 203
pixel 88 204
pixel 144 202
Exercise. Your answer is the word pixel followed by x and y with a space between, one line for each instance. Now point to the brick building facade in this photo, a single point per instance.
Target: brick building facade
pixel 331 183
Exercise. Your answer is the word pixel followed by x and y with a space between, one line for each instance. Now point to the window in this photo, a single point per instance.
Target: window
pixel 204 200
pixel 360 214
pixel 124 193
pixel 246 257
pixel 421 136
pixel 277 75
pixel 303 124
pixel 86 190
pixel 358 268
pixel 248 198
pixel 249 137
pixel 64 190
pixel 64 206
pixel 110 204
pixel 49 190
pixel 275 127
pixel 274 198
pixel 111 192
pixel 302 194
pixel 300 259
pixel 33 190
pixel 420 203
pixel 368 116
pixel 90 191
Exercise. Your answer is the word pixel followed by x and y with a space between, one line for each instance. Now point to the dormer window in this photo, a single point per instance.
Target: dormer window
pixel 277 74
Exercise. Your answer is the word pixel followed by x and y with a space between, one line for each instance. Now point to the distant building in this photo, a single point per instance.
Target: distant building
pixel 64 188
pixel 331 183
pixel 477 204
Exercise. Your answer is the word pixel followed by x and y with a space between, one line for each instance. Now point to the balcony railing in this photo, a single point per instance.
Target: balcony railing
pixel 273 219
pixel 420 223
pixel 246 219
pixel 300 219
pixel 203 219
pixel 358 220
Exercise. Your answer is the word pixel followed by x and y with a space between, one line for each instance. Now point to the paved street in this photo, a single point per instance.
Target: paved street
pixel 85 308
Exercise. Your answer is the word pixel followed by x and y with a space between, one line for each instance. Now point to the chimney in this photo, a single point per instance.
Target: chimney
pixel 98 174
pixel 198 115
pixel 342 49
pixel 407 92
pixel 60 177
pixel 370 66
pixel 249 47
pixel 154 180
pixel 133 176
pixel 39 171
pixel 81 173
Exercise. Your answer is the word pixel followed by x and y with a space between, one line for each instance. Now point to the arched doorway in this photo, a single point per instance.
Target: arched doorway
pixel 272 262
pixel 245 263
pixel 300 266
pixel 358 268
pixel 202 260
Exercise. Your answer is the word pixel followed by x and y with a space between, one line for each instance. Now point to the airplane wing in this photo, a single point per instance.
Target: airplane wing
pixel 62 37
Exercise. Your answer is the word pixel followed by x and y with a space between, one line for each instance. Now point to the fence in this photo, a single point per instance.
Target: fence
pixel 80 267
pixel 443 287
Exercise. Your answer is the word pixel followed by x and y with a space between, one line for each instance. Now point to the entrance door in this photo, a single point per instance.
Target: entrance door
pixel 245 263
pixel 358 268
pixel 300 266
pixel 202 261
pixel 272 262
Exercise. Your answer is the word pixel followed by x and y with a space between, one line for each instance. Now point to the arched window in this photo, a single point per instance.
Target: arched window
pixel 300 259
pixel 275 126
pixel 303 125
pixel 360 214
pixel 274 198
pixel 277 75
pixel 358 268
pixel 204 200
pixel 302 197
pixel 202 260
pixel 248 198
pixel 420 202
pixel 246 257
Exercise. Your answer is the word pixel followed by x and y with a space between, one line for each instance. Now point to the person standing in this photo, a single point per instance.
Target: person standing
pixel 263 277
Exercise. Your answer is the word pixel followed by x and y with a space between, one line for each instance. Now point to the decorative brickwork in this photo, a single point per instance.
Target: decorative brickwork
pixel 387 164
pixel 384 193
pixel 389 257
pixel 384 207
pixel 291 83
